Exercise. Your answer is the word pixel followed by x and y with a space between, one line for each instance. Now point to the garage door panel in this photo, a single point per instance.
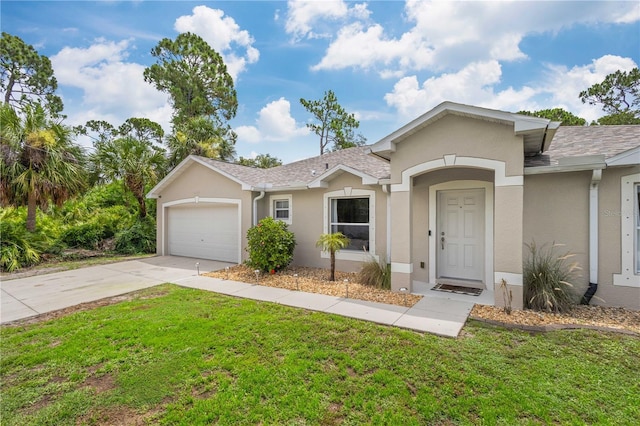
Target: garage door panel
pixel 204 231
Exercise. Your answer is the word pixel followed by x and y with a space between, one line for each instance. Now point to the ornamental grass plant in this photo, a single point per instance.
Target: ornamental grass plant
pixel 376 274
pixel 547 279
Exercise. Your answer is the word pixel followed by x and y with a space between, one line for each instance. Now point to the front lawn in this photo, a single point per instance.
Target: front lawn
pixel 181 356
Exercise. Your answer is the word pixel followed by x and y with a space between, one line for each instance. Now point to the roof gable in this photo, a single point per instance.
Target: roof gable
pixel 537 132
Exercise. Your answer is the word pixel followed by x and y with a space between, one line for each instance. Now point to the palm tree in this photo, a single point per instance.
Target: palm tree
pixel 39 163
pixel 332 243
pixel 135 161
pixel 200 136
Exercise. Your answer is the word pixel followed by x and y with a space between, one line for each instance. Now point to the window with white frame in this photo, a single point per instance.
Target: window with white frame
pixel 350 216
pixel 629 214
pixel 352 211
pixel 280 208
pixel 637 221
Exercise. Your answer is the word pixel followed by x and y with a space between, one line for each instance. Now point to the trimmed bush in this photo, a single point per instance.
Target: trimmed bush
pixel 270 245
pixel 547 279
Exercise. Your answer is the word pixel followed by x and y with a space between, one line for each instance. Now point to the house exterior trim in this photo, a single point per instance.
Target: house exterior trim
pixel 499 168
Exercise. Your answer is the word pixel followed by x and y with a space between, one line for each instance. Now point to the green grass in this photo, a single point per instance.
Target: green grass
pixel 183 356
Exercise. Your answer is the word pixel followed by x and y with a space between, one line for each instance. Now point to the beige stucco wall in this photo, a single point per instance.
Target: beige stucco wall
pixel 308 220
pixel 556 209
pixel 461 136
pixel 198 180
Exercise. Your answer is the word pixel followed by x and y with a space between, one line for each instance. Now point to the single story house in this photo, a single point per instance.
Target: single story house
pixel 453 196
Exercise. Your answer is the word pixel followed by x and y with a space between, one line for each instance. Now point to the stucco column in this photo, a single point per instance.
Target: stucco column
pixel 401 265
pixel 508 232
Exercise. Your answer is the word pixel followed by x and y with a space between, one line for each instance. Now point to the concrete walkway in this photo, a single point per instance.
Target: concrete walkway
pixel 22 298
pixel 439 316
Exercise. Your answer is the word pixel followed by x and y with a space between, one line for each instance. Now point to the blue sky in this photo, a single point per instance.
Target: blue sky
pixel 387 61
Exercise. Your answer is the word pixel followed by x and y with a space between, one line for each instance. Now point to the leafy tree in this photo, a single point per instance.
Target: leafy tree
pixel 617 119
pixel 137 162
pixel 142 129
pixel 26 76
pixel 262 161
pixel 332 243
pixel 200 136
pixel 332 123
pixel 619 95
pixel 195 77
pixel 557 114
pixel 39 163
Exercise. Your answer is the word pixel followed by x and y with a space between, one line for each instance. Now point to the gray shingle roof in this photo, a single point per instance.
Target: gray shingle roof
pixel 301 173
pixel 569 141
pixel 572 141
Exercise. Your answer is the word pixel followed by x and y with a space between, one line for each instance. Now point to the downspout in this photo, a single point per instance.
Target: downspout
pixel 593 237
pixel 255 207
pixel 385 189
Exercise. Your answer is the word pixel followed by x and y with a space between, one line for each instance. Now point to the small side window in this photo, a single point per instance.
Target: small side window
pixel 280 208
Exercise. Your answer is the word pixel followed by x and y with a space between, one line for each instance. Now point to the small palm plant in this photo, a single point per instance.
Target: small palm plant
pixel 332 243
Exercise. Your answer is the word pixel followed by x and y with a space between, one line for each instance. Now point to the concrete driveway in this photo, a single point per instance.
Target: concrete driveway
pixel 26 297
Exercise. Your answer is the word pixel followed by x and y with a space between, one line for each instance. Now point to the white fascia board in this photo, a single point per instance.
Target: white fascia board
pixel 630 157
pixel 563 168
pixel 322 180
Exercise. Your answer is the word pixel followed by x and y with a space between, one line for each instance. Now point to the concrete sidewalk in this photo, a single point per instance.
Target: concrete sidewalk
pixel 439 316
pixel 26 297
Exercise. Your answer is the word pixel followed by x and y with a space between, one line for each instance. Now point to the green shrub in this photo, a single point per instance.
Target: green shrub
pixel 376 274
pixel 270 245
pixel 547 279
pixel 18 247
pixel 100 225
pixel 84 235
pixel 138 238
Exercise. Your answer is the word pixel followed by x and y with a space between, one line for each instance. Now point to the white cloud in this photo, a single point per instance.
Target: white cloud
pixel 112 89
pixel 449 35
pixel 223 34
pixel 563 85
pixel 474 85
pixel 312 19
pixel 274 123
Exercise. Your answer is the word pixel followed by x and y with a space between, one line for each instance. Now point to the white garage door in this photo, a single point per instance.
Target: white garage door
pixel 204 231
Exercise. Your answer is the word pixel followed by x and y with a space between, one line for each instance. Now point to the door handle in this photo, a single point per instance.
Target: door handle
pixel 442 242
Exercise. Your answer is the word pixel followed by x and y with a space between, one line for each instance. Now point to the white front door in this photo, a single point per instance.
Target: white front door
pixel 460 234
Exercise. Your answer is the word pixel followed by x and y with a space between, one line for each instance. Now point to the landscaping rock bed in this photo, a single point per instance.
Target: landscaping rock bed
pixel 314 280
